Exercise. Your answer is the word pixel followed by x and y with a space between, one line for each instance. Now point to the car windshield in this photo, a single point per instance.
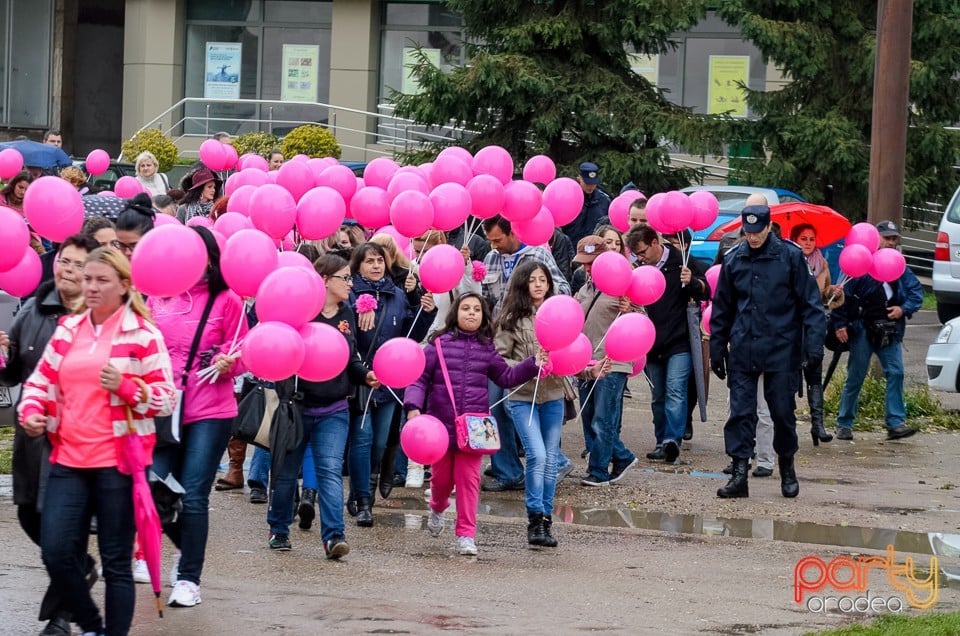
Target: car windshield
pixel 953 212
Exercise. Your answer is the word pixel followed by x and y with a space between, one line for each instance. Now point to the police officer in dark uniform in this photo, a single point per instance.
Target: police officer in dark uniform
pixel 768 311
pixel 595 204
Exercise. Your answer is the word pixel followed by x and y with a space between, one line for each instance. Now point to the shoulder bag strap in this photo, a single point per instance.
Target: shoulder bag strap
pixel 196 339
pixel 593 302
pixel 446 376
pixel 376 334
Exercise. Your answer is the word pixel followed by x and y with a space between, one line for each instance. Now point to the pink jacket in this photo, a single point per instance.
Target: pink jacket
pixel 177 319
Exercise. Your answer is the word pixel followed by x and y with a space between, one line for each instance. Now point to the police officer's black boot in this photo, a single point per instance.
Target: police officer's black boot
pixel 789 485
pixel 535 528
pixel 815 400
pixel 737 486
pixel 364 512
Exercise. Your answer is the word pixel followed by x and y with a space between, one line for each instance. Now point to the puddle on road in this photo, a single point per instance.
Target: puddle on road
pixel 855 537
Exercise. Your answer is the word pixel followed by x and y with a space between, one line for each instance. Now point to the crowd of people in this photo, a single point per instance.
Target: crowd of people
pixel 98 361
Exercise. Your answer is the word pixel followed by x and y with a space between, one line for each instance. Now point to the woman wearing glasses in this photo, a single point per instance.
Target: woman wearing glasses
pixel 133 222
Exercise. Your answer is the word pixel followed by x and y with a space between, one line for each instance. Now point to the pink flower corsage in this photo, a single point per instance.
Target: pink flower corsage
pixel 365 303
pixel 479 271
pixel 546 369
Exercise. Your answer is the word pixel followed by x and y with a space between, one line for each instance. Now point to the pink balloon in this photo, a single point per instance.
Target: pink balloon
pixel 535 231
pixel 166 219
pixel 231 184
pixel 11 163
pixel 450 169
pixel 521 201
pixel 287 242
pixel 676 213
pixel 230 157
pixel 327 352
pixel 564 198
pixel 296 177
pixel 256 162
pixel 127 187
pixel 451 205
pixel 294 259
pixel 611 273
pixel 341 179
pixel 239 201
pixel 495 161
pixel 629 337
pixel 558 322
pixel 415 170
pixel 168 261
pixel 242 160
pixel 273 351
pixel 399 362
pixel 290 295
pixel 300 158
pixel 638 366
pixel 202 221
pixel 411 213
pixel 713 277
pixel 619 211
pixel 273 210
pixel 250 177
pixel 379 172
pixel 320 213
pixel 888 265
pixel 573 358
pixel 16 238
pixel 864 234
pixel 427 170
pixel 647 285
pixel 855 260
pixel 705 319
pixel 459 152
pixel 98 161
pixel 654 210
pixel 406 182
pixel 249 256
pixel 424 439
pixel 54 208
pixel 213 155
pixel 229 223
pixel 370 206
pixel 220 239
pixel 486 196
pixel 539 169
pixel 706 208
pixel 272 176
pixel 441 268
pixel 403 242
pixel 21 279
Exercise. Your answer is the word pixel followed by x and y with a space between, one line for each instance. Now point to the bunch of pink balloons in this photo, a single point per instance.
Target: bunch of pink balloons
pixel 217 155
pixel 573 358
pixel 855 260
pixel 273 351
pixel 670 212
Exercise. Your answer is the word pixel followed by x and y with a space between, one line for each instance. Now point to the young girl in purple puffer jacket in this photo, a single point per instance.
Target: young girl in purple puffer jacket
pixel 471 358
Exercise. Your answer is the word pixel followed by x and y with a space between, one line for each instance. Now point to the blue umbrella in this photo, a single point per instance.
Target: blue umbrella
pixel 38 155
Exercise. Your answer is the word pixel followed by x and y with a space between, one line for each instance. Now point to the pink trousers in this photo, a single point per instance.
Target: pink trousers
pixel 463 470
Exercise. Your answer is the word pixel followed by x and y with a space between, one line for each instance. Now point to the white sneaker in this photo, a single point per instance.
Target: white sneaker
pixel 466 546
pixel 414 475
pixel 175 570
pixel 185 594
pixel 435 523
pixel 140 572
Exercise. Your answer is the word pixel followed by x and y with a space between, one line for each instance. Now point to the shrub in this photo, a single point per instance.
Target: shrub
pixel 259 143
pixel 310 140
pixel 151 140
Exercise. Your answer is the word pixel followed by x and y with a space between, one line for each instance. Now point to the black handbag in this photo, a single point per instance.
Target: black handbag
pixel 830 340
pixel 168 427
pixel 255 414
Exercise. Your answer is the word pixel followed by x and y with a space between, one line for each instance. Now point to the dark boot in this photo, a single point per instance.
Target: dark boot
pixel 789 485
pixel 548 539
pixel 364 512
pixel 306 510
pixel 233 479
pixel 535 528
pixel 387 470
pixel 815 400
pixel 737 486
pixel 374 480
pixel 352 505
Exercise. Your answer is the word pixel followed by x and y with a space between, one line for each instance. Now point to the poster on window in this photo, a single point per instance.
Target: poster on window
pixel 727 74
pixel 222 71
pixel 299 82
pixel 410 85
pixel 646 66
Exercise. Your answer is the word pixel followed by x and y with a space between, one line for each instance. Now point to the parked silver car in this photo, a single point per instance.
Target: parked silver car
pixel 946 262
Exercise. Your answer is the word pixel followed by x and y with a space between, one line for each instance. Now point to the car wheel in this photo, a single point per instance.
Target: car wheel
pixel 947 311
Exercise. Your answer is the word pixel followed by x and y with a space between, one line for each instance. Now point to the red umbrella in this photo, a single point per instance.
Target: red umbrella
pixel 131 462
pixel 831 226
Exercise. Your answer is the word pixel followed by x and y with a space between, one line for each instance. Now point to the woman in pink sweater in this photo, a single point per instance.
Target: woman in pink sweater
pixel 101 364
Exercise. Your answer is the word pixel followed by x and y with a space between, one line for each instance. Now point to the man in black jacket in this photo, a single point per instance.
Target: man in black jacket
pixel 669 361
pixel 767 322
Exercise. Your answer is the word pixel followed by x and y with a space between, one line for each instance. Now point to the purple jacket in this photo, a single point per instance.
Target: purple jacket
pixel 470 363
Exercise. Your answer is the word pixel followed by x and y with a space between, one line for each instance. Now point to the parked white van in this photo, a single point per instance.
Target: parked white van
pixel 946 262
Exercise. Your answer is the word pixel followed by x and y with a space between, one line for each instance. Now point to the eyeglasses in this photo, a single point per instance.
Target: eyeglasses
pixel 124 247
pixel 347 278
pixel 66 263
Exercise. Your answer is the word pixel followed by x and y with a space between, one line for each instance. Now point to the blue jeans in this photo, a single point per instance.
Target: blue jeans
pixel 259 474
pixel 307 471
pixel 891 361
pixel 72 496
pixel 327 438
pixel 368 438
pixel 602 412
pixel 541 440
pixel 669 404
pixel 193 462
pixel 505 463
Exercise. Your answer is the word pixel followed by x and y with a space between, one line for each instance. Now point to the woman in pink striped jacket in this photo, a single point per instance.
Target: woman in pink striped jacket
pixel 101 363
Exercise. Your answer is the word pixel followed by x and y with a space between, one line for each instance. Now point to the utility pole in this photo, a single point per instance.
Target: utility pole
pixel 891 88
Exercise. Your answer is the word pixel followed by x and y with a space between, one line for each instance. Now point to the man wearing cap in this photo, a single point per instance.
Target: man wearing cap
pixel 603 382
pixel 873 320
pixel 767 322
pixel 595 204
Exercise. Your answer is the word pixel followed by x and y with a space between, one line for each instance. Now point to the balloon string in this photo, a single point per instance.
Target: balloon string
pixel 423 248
pixel 394 395
pixel 236 333
pixel 414 323
pixel 366 407
pixel 505 398
pixel 600 344
pixel 533 402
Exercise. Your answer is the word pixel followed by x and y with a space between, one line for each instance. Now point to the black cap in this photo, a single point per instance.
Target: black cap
pixel 755 218
pixel 590 173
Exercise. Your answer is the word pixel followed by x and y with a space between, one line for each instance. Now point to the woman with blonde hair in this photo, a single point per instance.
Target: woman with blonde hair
pixel 76 177
pixel 154 182
pixel 105 371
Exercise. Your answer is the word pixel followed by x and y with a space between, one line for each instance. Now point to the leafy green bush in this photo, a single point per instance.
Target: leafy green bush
pixel 310 140
pixel 920 402
pixel 151 140
pixel 259 143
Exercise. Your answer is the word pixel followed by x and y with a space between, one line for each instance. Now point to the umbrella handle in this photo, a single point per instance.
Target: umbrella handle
pixel 144 396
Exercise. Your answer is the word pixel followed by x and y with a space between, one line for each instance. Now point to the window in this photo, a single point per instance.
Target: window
pixel 26 36
pixel 408 25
